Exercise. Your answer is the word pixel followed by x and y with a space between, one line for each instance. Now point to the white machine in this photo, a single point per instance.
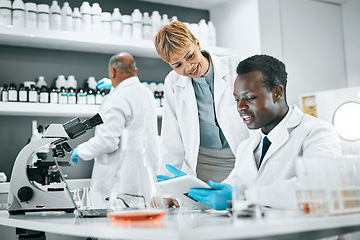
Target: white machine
pixel 340 107
pixel 40 185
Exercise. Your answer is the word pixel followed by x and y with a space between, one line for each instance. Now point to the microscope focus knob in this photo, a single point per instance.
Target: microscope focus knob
pixel 25 194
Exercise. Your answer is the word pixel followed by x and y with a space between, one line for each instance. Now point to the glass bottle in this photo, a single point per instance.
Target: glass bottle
pixel 33 95
pixel 90 98
pixel 81 96
pixel 98 97
pixel 77 199
pixel 23 93
pixel 71 96
pixel 54 95
pixel 13 94
pixel 86 198
pixel 44 94
pixel 5 93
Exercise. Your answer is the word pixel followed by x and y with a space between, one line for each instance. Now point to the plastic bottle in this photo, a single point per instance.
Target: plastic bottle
pixel 44 94
pixel 155 22
pixel 61 82
pixel 5 93
pixel 33 94
pixel 12 93
pixel 96 17
pixel 91 82
pixel 90 98
pixel 106 23
pixel 127 26
pixel 54 95
pixel 212 34
pixel 98 97
pixel 5 12
pixel 71 96
pixel 203 33
pixel 165 20
pixel 71 82
pixel 23 93
pixel 41 82
pixel 194 28
pixel 63 96
pixel 30 15
pixel 77 22
pixel 137 21
pixel 18 13
pixel 66 17
pixel 116 23
pixel 81 96
pixel 55 16
pixel 174 18
pixel 43 18
pixel 85 10
pixel 147 28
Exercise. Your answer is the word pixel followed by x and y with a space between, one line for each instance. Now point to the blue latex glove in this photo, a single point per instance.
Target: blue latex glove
pixel 75 156
pixel 104 83
pixel 173 170
pixel 216 197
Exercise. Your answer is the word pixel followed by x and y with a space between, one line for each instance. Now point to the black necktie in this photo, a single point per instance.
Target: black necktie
pixel 265 147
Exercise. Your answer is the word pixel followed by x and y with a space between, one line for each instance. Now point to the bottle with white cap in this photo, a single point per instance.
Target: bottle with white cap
pixel 174 18
pixel 136 17
pixel 155 22
pixel 212 34
pixel 203 33
pixel 96 17
pixel 127 26
pixel 55 16
pixel 41 82
pixel 76 20
pixel 30 15
pixel 71 82
pixel 165 20
pixel 106 23
pixel 18 13
pixel 43 18
pixel 147 28
pixel 116 24
pixel 61 82
pixel 91 82
pixel 85 11
pixel 66 17
pixel 5 12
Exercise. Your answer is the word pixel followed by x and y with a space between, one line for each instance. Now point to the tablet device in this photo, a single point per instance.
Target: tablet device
pixel 179 187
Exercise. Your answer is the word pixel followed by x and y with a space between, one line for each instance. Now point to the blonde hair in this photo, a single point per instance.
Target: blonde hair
pixel 171 39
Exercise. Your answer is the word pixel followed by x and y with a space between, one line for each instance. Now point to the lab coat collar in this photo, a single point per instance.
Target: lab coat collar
pixel 127 82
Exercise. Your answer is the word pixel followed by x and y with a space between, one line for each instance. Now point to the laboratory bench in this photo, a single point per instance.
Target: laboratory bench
pixel 190 224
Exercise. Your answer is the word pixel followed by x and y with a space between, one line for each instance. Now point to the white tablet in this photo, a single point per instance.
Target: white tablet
pixel 179 187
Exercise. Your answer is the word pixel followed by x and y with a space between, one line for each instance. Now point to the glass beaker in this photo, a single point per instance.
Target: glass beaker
pixel 134 183
pixel 77 199
pixel 86 198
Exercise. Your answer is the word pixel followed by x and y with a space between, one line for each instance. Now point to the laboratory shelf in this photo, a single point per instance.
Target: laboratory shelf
pixel 83 42
pixel 51 110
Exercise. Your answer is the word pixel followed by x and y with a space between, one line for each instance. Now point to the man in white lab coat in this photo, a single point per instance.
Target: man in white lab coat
pixel 266 161
pixel 130 106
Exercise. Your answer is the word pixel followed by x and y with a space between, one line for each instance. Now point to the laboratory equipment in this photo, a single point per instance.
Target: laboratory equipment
pixel 40 185
pixel 55 16
pixel 116 25
pixel 30 15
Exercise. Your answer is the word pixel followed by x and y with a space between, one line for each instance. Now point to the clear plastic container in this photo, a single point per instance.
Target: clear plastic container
pixel 5 12
pixel 18 13
pixel 43 17
pixel 30 15
pixel 55 16
pixel 116 23
pixel 66 17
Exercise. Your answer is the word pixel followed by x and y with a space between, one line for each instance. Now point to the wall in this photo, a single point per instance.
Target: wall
pixel 351 22
pixel 18 64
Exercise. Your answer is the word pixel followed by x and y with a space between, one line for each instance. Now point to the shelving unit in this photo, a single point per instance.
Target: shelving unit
pixel 83 42
pixel 51 110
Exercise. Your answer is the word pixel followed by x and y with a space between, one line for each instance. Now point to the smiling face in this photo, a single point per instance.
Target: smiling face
pixel 258 107
pixel 190 62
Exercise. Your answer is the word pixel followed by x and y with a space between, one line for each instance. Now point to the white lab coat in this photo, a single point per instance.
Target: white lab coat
pixel 180 124
pixel 130 106
pixel 274 183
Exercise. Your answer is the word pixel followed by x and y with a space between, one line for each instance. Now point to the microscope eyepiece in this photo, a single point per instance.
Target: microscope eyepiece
pixel 75 127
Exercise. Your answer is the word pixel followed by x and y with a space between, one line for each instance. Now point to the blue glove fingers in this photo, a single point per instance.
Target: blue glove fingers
pixel 175 171
pixel 104 83
pixel 201 196
pixel 216 185
pixel 161 178
pixel 74 157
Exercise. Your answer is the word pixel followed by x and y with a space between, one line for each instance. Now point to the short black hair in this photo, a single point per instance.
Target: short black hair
pixel 272 69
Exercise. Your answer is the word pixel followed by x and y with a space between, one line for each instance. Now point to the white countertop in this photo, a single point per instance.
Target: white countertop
pixel 182 224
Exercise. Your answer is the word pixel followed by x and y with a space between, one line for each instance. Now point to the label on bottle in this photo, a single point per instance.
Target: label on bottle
pixel 86 22
pixel 98 98
pixel 13 96
pixel 5 16
pixel 55 21
pixel 23 96
pixel 30 19
pixel 18 17
pixel 147 29
pixel 72 98
pixel 116 27
pixel 4 96
pixel 90 99
pixel 33 96
pixel 137 30
pixel 43 21
pixel 44 97
pixel 54 97
pixel 81 99
pixel 63 98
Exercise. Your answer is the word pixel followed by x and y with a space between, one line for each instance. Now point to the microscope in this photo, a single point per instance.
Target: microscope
pixel 38 184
